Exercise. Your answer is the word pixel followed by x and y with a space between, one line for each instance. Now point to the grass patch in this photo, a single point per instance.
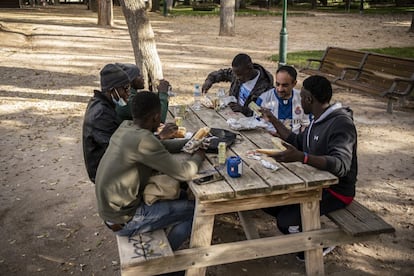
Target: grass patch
pixel 296 9
pixel 188 11
pixel 298 59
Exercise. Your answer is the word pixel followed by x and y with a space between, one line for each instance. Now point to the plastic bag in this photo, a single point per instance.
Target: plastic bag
pixel 246 123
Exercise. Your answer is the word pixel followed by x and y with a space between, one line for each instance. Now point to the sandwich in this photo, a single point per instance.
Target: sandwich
pixel 201 133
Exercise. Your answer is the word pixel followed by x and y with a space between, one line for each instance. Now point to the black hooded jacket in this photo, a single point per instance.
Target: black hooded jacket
pixel 264 83
pixel 334 136
pixel 100 122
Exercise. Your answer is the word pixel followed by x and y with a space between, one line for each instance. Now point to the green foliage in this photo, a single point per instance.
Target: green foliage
pixel 406 52
pixel 298 59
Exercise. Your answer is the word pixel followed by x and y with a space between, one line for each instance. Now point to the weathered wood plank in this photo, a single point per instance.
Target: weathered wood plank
pixel 311 175
pixel 310 216
pixel 251 203
pixel 357 220
pixel 250 182
pixel 308 174
pixel 201 236
pixel 247 221
pixel 280 179
pixel 143 247
pixel 243 250
pixel 211 191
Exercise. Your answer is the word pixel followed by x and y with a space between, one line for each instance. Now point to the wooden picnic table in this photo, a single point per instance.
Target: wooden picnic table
pixel 258 187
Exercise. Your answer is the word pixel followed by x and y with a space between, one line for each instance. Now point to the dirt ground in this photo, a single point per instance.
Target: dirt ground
pixel 50 59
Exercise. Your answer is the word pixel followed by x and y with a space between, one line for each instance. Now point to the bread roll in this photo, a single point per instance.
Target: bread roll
pixel 181 131
pixel 201 133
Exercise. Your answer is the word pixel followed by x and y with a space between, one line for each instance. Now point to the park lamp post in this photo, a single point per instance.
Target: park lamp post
pixel 164 8
pixel 283 37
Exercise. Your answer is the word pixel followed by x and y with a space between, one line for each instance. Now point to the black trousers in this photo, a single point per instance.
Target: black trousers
pixel 289 215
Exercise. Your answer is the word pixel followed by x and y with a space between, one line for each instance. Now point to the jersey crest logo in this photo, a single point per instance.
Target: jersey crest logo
pixel 298 110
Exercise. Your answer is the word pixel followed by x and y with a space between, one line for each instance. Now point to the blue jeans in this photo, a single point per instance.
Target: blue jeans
pixel 177 214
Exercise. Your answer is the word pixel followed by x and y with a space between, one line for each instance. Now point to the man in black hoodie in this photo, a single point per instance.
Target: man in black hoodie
pixel 329 143
pixel 248 81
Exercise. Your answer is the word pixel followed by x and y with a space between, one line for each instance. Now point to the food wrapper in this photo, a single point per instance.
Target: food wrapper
pixel 193 144
pixel 265 163
pixel 199 140
pixel 226 100
pixel 246 123
pixel 207 102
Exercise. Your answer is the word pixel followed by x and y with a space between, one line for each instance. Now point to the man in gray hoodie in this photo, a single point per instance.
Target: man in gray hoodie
pixel 329 143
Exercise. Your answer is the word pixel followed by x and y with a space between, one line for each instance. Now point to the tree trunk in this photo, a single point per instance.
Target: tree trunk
pixel 143 41
pixel 148 5
pixel 155 5
pixel 227 11
pixel 93 5
pixel 313 4
pixel 169 5
pixel 105 14
pixel 412 23
pixel 348 5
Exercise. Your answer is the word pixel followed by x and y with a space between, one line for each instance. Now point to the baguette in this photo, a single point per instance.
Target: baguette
pixel 268 151
pixel 277 144
pixel 201 133
pixel 277 147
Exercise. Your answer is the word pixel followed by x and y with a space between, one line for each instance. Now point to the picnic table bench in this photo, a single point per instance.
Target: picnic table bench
pixel 382 75
pixel 150 253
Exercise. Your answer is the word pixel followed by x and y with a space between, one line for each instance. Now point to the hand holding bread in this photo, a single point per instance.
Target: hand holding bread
pixel 277 147
pixel 170 130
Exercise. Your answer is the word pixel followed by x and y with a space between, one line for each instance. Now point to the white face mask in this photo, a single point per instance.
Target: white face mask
pixel 121 102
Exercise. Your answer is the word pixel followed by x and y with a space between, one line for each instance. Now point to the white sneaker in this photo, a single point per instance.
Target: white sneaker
pixel 300 256
pixel 328 250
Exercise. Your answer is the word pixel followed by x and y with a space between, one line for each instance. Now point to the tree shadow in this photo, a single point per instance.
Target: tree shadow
pixel 42 80
pixel 45 96
pixel 27 21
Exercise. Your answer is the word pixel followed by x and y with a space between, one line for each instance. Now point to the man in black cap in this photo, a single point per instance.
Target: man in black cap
pixel 137 83
pixel 100 120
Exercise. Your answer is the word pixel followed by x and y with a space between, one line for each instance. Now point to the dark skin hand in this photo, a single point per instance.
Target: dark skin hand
pixel 236 107
pixel 163 86
pixel 282 131
pixel 291 154
pixel 168 131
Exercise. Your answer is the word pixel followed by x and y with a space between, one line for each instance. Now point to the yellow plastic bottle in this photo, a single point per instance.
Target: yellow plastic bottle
pixel 222 153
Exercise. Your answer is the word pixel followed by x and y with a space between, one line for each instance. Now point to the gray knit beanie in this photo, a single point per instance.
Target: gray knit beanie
pixel 113 76
pixel 132 70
